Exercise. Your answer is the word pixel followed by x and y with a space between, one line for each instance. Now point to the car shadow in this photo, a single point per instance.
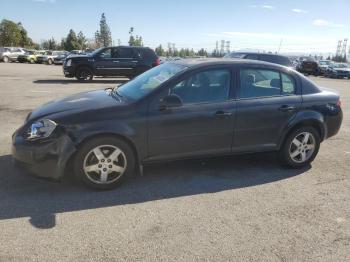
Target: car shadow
pixel 74 81
pixel 22 195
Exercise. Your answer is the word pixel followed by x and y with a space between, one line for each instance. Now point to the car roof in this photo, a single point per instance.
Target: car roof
pixel 256 53
pixel 133 47
pixel 199 62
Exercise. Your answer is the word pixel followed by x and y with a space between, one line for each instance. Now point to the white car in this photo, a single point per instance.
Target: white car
pixel 10 54
pixel 48 57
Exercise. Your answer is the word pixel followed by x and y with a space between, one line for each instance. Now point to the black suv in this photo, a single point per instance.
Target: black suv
pixel 128 61
pixel 308 65
pixel 271 58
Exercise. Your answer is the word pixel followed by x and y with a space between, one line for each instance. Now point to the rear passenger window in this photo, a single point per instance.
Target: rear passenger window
pixel 125 53
pixel 259 83
pixel 288 85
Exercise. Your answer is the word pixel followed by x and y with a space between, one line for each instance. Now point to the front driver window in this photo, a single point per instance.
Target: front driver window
pixel 107 53
pixel 206 86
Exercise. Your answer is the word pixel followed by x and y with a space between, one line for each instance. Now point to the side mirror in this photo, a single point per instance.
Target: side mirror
pixel 170 101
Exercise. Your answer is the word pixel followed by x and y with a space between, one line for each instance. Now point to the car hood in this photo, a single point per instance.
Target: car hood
pixel 80 102
pixel 342 69
pixel 79 56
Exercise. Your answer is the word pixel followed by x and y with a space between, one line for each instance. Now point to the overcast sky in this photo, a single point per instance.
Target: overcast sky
pixel 303 26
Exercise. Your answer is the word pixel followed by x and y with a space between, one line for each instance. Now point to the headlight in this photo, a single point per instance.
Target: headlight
pixel 41 129
pixel 69 62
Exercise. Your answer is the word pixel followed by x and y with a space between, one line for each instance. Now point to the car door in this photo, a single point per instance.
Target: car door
pixel 267 101
pixel 15 53
pixel 106 62
pixel 125 61
pixel 202 125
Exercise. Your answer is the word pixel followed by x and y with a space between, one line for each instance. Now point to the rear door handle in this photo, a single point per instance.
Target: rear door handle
pixel 286 108
pixel 223 113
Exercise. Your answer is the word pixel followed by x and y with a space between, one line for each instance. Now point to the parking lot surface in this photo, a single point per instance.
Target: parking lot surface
pixel 241 208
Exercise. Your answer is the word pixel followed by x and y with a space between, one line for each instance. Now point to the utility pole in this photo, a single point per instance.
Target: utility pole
pixel 228 47
pixel 343 51
pixel 338 52
pixel 222 48
pixel 279 47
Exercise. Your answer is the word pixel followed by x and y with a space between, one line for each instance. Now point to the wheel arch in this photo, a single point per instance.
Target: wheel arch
pixel 315 120
pixel 104 135
pixel 79 66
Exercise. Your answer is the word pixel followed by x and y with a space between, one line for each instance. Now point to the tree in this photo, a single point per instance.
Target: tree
pixel 160 51
pixel 25 41
pixel 103 37
pixel 10 33
pixel 134 41
pixel 49 44
pixel 71 42
pixel 82 41
pixel 202 52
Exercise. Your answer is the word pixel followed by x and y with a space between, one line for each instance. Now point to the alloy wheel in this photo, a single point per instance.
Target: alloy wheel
pixel 105 164
pixel 302 147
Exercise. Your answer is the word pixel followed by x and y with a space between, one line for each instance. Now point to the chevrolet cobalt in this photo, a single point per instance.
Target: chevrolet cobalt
pixel 181 109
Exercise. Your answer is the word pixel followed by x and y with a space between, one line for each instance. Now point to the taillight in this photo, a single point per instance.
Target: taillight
pixel 157 62
pixel 339 103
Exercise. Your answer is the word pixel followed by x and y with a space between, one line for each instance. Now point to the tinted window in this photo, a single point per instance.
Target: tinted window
pixel 251 56
pixel 259 83
pixel 124 53
pixel 107 53
pixel 288 85
pixel 281 60
pixel 207 86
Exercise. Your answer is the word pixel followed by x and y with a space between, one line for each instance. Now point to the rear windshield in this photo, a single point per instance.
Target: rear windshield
pixel 234 55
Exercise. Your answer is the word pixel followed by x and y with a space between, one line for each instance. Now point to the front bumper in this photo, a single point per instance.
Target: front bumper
pixel 68 71
pixel 45 159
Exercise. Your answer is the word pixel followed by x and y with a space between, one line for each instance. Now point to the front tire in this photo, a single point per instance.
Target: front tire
pixel 104 163
pixel 5 59
pixel 300 147
pixel 84 74
pixel 49 62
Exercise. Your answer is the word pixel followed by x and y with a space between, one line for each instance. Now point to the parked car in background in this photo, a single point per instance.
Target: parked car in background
pixel 48 57
pixel 338 70
pixel 180 109
pixel 127 61
pixel 272 58
pixel 58 60
pixel 323 65
pixel 30 56
pixel 308 65
pixel 10 54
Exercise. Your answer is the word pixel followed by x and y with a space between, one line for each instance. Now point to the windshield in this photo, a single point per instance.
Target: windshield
pixel 234 55
pixel 340 66
pixel 325 62
pixel 97 51
pixel 148 81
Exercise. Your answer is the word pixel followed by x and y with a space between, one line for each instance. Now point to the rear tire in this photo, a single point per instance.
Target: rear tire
pixel 5 59
pixel 84 74
pixel 104 163
pixel 300 147
pixel 49 62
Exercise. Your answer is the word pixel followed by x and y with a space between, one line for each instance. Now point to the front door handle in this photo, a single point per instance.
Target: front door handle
pixel 223 113
pixel 116 61
pixel 286 108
